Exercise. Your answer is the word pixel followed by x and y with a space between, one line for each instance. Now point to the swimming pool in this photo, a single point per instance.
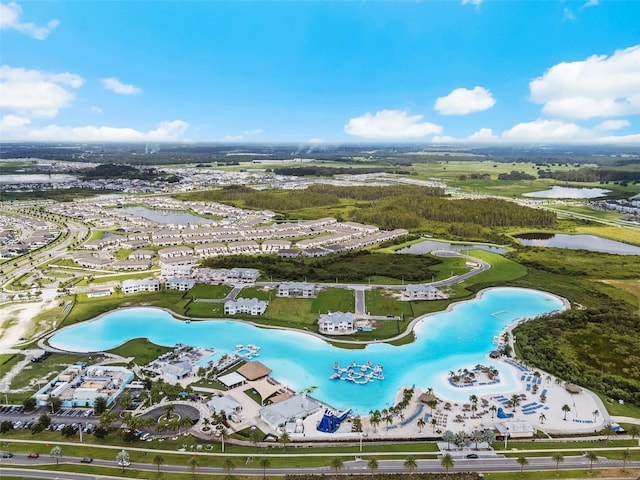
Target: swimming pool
pixel 458 338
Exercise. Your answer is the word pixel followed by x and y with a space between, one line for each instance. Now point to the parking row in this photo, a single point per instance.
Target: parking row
pixel 11 409
pixel 74 412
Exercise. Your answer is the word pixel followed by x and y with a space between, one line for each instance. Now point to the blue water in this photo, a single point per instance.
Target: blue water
pixel 459 338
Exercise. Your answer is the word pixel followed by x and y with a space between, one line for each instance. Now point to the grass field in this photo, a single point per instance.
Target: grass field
pixel 142 350
pixel 203 290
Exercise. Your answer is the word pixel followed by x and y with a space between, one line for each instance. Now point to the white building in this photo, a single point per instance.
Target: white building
pixel 145 285
pixel 252 306
pixel 179 283
pixel 423 292
pixel 337 322
pixel 296 289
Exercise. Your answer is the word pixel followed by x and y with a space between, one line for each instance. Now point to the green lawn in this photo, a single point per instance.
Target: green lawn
pixel 141 349
pixel 334 300
pixel 202 290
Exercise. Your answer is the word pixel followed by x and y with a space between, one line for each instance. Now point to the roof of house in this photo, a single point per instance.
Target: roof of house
pixel 254 370
pixel 299 406
pixel 231 379
pixel 226 403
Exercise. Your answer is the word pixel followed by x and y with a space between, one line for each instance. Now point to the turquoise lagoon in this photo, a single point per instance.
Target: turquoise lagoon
pixel 456 339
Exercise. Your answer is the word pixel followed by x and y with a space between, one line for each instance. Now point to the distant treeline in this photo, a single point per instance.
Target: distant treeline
pixel 398 206
pixel 314 196
pixel 321 171
pixel 112 170
pixel 408 211
pixel 629 174
pixel 354 266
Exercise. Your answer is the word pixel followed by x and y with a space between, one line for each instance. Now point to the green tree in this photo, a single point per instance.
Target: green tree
pixel 515 401
pixel 193 465
pixel 44 420
pixel 99 405
pixel 421 423
pixel 523 462
pixel 372 464
pixel 223 434
pixel 592 457
pixel 124 400
pixel 54 403
pixel 56 452
pixel 158 460
pixel 284 439
pixel 542 418
pixel 228 465
pixel 558 458
pixel 634 431
pixel 449 437
pixel 264 464
pixel 29 403
pixel 566 409
pixel 410 464
pixel 123 459
pixel 447 462
pixel 626 455
pixel 336 464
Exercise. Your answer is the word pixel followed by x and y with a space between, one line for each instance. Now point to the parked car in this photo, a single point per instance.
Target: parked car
pixel 124 463
pixel 6 454
pixel 33 455
pixel 86 460
pixel 472 455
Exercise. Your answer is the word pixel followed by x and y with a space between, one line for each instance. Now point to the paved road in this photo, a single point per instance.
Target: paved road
pixel 354 466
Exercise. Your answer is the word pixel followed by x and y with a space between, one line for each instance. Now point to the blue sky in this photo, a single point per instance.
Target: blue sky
pixel 450 71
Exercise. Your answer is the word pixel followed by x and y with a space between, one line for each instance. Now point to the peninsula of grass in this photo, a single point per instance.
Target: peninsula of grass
pixel 141 350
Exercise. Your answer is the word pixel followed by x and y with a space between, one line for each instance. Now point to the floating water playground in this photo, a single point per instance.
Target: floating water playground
pixel 358 373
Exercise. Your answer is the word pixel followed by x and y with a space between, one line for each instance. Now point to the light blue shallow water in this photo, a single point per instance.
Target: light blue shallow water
pixel 459 338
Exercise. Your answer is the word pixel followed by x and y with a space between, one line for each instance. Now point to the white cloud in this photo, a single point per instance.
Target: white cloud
pixel 612 125
pixel 543 131
pixel 567 14
pixel 10 19
pixel 390 124
pixel 463 101
pixel 235 138
pixel 36 94
pixel 8 122
pixel 115 85
pixel 484 135
pixel 166 132
pixel 599 86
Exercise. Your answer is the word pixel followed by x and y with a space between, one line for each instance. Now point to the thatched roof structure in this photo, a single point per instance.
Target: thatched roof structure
pixel 254 370
pixel 572 388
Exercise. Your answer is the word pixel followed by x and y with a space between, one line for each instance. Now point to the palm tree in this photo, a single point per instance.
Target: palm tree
pixel 265 463
pixel 388 419
pixel 592 457
pixel 336 464
pixel 558 458
pixel 56 452
pixel 447 462
pixel 608 430
pixel 596 414
pixel 168 409
pixel 448 437
pixel 477 436
pixel 158 460
pixel 434 423
pixel 372 464
pixel 284 439
pixel 515 401
pixel 566 409
pixel 626 454
pixel 223 433
pixel 542 417
pixel 523 462
pixel 193 465
pixel 433 403
pixel 255 437
pixel 421 423
pixel 228 465
pixel 375 420
pixel 410 464
pixel 493 410
pixel 122 458
pixel 634 431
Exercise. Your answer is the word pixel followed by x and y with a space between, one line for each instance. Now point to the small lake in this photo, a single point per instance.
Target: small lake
pixel 458 338
pixel 430 245
pixel 166 216
pixel 568 192
pixel 20 178
pixel 577 242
